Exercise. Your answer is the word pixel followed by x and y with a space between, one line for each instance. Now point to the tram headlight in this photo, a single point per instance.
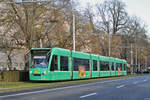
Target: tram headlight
pixel 44 73
pixel 30 72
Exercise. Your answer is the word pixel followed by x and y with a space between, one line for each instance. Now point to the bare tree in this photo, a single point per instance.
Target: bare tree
pixel 7 47
pixel 112 16
pixel 31 22
pixel 135 33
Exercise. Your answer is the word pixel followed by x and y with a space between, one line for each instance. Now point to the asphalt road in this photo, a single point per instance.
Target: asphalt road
pixel 135 88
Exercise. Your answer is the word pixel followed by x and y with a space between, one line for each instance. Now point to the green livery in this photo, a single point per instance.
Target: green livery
pixel 51 64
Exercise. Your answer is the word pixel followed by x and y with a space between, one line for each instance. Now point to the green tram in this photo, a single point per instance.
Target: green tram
pixel 52 64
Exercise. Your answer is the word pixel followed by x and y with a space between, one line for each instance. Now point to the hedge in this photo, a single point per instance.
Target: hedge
pixel 14 76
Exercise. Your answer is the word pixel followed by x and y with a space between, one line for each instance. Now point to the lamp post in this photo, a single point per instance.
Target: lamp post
pixel 109 44
pixel 132 59
pixel 74 44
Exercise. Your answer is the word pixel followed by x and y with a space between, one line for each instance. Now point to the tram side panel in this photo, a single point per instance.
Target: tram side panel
pixel 60 68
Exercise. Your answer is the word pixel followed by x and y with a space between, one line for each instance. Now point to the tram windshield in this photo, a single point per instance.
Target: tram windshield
pixel 40 61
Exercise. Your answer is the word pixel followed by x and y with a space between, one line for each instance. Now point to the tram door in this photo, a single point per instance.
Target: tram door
pixel 112 73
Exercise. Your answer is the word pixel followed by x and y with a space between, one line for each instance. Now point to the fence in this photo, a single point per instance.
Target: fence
pixel 14 76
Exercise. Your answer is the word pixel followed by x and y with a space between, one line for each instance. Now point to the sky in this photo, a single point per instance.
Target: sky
pixel 140 8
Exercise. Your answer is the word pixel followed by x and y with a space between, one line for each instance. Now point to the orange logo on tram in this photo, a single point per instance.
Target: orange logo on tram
pixel 82 72
pixel 119 70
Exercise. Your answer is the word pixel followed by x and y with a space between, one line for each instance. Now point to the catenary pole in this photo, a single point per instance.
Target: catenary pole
pixel 74 45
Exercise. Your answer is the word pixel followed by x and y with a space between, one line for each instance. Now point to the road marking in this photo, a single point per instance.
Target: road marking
pixel 144 80
pixel 91 94
pixel 120 86
pixel 135 82
pixel 48 90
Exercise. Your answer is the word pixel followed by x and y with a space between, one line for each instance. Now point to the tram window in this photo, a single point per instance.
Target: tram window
pixel 54 64
pixel 76 62
pixel 86 63
pixel 121 66
pixel 118 65
pixel 104 66
pixel 112 66
pixel 94 65
pixel 63 63
pixel 81 62
pixel 124 67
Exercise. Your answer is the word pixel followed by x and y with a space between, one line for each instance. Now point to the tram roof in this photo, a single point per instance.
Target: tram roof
pixel 40 48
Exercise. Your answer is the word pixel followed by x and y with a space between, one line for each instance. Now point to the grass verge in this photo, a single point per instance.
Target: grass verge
pixel 16 86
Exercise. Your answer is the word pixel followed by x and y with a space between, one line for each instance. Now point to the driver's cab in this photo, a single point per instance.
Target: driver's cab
pixel 37 61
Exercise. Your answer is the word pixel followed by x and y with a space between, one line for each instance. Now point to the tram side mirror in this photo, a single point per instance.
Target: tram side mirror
pixel 48 56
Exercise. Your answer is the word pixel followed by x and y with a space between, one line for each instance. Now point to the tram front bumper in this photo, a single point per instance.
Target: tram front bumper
pixel 40 76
